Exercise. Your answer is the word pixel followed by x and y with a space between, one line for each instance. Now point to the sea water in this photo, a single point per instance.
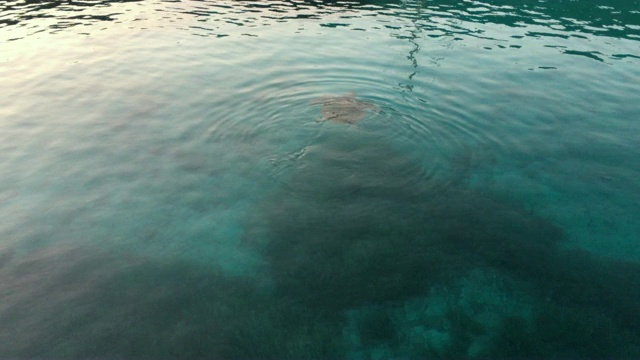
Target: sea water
pixel 170 188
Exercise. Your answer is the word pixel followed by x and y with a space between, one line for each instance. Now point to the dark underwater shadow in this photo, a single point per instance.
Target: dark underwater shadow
pixel 89 303
pixel 358 225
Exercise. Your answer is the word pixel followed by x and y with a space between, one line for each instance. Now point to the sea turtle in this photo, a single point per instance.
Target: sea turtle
pixel 345 109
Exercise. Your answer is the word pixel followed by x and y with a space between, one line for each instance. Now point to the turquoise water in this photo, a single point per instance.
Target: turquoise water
pixel 168 187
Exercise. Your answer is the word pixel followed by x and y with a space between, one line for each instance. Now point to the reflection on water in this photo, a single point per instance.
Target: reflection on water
pixel 533 19
pixel 167 190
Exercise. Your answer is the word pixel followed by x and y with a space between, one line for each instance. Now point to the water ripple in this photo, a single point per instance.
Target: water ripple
pixel 618 19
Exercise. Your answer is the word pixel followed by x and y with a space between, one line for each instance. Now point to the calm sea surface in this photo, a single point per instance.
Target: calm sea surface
pixel 320 179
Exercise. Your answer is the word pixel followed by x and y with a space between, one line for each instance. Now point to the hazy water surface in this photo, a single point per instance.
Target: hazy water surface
pixel 169 187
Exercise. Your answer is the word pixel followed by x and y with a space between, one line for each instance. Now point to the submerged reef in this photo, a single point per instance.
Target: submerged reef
pixel 358 226
pixel 85 302
pixel 364 256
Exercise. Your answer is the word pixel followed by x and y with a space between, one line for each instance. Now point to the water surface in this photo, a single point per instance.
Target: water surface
pixel 167 190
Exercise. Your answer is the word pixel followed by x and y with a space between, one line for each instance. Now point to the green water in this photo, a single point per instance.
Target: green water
pixel 169 189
